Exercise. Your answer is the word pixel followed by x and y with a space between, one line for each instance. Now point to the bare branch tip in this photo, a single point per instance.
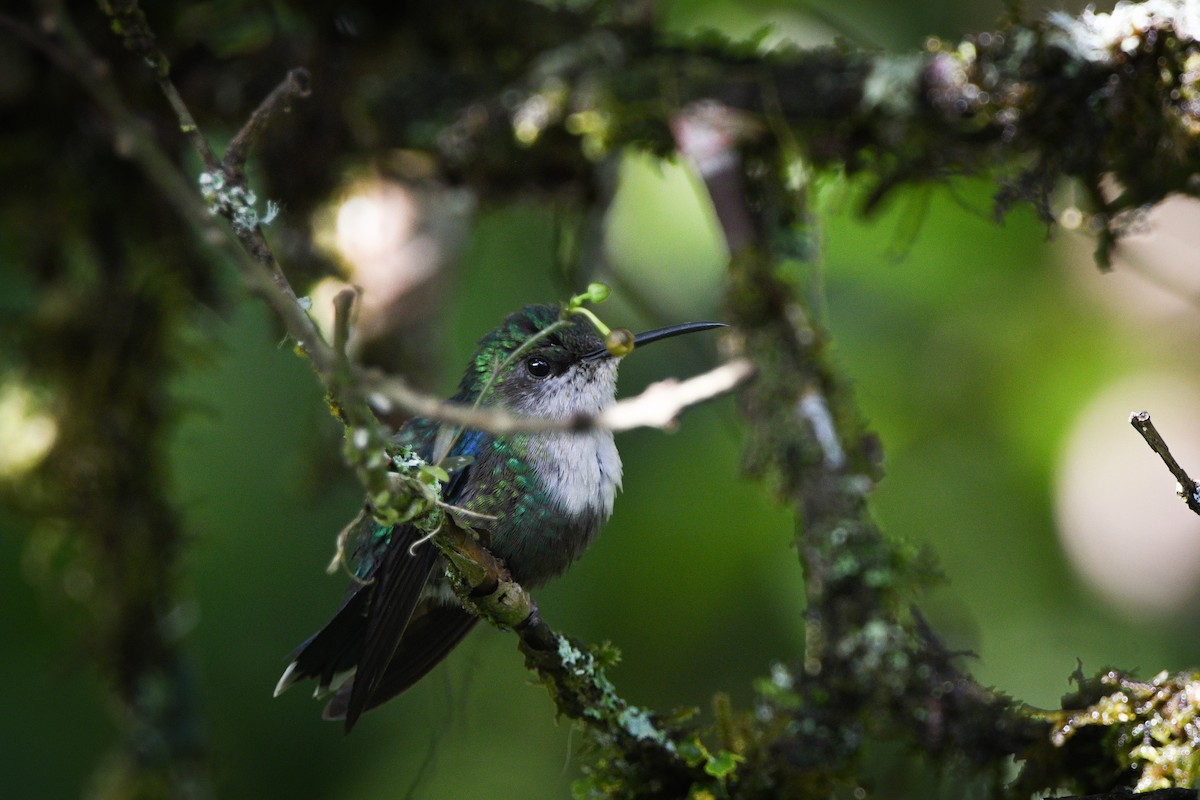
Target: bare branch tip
pixel 299 82
pixel 343 304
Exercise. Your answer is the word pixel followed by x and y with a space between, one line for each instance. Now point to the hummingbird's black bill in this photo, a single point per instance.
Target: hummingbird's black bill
pixel 657 334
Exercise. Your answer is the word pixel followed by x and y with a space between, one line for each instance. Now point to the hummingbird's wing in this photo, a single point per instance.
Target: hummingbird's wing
pixel 396 651
pixel 366 654
pixel 433 631
pixel 398 582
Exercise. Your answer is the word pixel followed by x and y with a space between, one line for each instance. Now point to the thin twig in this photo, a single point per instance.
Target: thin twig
pixel 343 303
pixel 297 84
pixel 1186 487
pixel 257 263
pixel 129 21
pixel 38 41
pixel 659 406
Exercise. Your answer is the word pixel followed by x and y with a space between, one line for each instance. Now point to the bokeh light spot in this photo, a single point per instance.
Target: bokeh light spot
pixel 27 431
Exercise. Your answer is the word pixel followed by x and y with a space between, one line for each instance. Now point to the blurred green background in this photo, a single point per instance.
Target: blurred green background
pixel 975 348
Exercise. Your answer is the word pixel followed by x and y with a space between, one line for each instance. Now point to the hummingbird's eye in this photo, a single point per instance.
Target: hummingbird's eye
pixel 537 367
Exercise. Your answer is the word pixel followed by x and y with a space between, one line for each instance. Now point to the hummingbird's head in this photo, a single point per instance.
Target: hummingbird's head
pixel 561 368
pixel 550 376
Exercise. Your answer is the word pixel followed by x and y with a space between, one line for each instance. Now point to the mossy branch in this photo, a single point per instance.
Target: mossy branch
pixel 1109 100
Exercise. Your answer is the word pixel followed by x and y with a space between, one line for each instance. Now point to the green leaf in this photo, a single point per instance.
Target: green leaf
pixel 723 764
pixel 436 472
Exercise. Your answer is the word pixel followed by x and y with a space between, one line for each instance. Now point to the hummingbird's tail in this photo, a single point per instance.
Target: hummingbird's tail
pixel 330 655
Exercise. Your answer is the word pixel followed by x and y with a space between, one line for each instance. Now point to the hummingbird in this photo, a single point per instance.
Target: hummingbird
pixel 537 501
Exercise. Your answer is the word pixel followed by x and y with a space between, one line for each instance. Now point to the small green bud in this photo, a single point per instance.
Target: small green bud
pixel 619 342
pixel 598 292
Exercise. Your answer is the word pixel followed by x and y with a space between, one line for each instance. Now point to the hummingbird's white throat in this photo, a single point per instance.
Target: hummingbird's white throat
pixel 580 472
